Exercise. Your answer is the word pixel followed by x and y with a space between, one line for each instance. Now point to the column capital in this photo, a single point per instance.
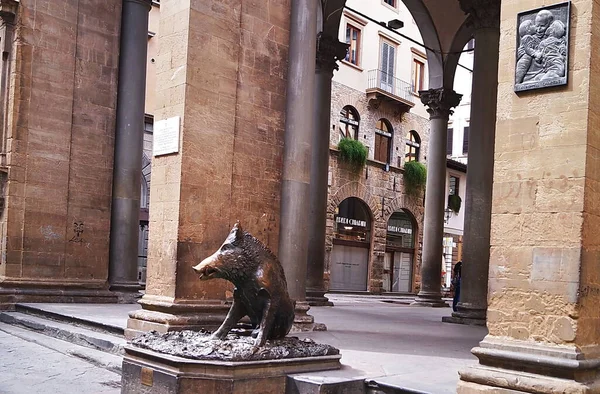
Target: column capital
pixel 147 3
pixel 329 51
pixel 8 10
pixel 483 14
pixel 440 101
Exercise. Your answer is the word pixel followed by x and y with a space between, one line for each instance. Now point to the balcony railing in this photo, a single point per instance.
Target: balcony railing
pixel 381 81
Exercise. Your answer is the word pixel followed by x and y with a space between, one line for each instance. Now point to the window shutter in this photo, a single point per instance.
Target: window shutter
pixel 384 62
pixel 391 62
pixel 466 140
pixel 449 139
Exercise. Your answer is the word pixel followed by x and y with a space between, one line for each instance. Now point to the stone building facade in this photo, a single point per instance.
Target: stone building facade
pixel 379 186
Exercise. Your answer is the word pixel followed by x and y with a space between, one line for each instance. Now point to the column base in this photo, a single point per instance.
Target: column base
pixel 162 314
pixel 511 366
pixel 428 299
pixel 467 316
pixel 304 322
pixel 317 298
pixel 14 292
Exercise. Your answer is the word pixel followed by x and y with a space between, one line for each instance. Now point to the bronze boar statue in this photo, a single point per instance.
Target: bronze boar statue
pixel 260 286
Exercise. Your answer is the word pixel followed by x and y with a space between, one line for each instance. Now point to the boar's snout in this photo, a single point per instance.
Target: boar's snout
pixel 207 268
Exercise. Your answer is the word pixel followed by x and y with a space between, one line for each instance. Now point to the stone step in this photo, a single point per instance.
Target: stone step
pixel 111 362
pixel 78 335
pixel 94 322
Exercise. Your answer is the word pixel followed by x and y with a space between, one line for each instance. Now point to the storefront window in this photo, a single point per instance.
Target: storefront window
pixel 400 231
pixel 352 221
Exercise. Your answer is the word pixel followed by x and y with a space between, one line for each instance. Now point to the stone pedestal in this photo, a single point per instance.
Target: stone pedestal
pixel 544 276
pixel 148 372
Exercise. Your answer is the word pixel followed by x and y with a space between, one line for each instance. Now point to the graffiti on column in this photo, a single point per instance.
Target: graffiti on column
pixel 78 230
pixel 542 47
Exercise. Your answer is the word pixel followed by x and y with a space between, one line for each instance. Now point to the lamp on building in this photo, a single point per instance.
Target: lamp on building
pixel 395 24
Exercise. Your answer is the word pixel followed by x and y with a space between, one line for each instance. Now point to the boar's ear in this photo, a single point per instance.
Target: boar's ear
pixel 237 230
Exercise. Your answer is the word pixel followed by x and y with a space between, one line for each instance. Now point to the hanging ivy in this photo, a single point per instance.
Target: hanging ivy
pixel 454 202
pixel 353 152
pixel 415 177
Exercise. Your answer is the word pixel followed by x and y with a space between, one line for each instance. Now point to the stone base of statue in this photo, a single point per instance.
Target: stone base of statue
pixel 191 362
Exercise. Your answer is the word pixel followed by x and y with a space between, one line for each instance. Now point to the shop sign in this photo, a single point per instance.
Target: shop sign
pixel 349 121
pixel 401 230
pixel 351 222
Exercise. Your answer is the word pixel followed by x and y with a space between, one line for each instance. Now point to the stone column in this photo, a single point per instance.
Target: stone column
pixel 439 104
pixel 329 51
pixel 544 276
pixel 478 205
pixel 298 140
pixel 124 227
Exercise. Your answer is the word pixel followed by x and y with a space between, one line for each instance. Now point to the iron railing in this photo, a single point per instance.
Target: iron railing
pixel 378 79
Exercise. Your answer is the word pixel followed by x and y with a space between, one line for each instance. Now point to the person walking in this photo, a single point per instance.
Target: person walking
pixel 456 282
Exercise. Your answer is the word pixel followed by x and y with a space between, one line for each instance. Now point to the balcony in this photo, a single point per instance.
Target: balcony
pixel 382 87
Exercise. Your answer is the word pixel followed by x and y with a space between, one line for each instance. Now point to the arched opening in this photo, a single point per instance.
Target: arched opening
pixel 413 146
pixel 349 122
pixel 351 244
pixel 383 140
pixel 398 263
pixel 144 219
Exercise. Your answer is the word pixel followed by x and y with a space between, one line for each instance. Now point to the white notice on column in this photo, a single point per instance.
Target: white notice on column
pixel 166 137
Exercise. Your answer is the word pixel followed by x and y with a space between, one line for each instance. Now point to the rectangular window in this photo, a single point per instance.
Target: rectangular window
pixel 390 2
pixel 382 147
pixel 454 185
pixel 418 73
pixel 449 139
pixel 353 38
pixel 466 140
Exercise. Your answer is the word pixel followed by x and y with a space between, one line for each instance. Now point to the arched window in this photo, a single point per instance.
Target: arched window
pixel 349 122
pixel 383 140
pixel 413 146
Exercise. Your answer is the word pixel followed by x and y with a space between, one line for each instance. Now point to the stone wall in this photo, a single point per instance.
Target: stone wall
pixel 60 133
pixel 544 272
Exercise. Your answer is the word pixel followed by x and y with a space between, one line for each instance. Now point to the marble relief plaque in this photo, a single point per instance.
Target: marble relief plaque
pixel 542 58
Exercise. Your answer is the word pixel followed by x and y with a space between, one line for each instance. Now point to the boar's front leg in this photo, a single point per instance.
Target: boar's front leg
pixel 236 312
pixel 268 317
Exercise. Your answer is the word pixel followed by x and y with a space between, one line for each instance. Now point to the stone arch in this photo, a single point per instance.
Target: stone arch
pixel 462 37
pixel 357 190
pixel 145 184
pixel 332 15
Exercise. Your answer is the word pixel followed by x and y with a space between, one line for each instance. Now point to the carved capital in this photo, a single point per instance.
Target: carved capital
pixel 440 101
pixel 329 51
pixel 8 10
pixel 482 13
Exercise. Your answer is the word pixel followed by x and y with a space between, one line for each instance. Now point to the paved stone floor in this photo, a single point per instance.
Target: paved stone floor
pixel 380 338
pixel 29 368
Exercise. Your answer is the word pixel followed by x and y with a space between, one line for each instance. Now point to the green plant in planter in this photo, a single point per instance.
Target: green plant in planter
pixel 415 177
pixel 454 202
pixel 353 152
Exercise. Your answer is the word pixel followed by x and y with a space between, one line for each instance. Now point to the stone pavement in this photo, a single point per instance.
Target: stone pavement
pixel 30 368
pixel 380 338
